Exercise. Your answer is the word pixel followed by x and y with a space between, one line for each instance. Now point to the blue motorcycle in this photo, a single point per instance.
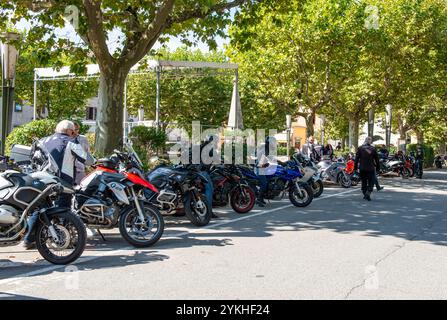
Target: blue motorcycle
pixel 285 179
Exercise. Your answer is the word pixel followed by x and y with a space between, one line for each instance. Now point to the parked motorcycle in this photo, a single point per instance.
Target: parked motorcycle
pixel 311 175
pixel 353 174
pixel 285 179
pixel 334 172
pixel 231 187
pixel 181 187
pixel 112 196
pixel 60 235
pixel 438 162
pixel 394 165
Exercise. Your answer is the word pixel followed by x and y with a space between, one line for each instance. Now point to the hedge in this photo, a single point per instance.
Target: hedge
pixel 25 134
pixel 429 153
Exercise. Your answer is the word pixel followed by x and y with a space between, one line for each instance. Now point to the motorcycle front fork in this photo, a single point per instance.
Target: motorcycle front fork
pixel 137 205
pixel 297 185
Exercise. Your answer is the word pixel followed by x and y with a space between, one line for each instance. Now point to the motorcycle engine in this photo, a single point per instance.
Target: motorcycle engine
pixel 8 215
pixel 97 211
pixel 167 198
pixel 275 187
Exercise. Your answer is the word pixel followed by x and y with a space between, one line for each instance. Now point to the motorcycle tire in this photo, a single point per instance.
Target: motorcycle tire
pixel 196 218
pixel 305 199
pixel 235 200
pixel 130 219
pixel 317 188
pixel 66 224
pixel 344 181
pixel 405 173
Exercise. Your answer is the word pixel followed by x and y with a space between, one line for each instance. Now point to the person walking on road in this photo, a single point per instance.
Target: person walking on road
pixel 367 160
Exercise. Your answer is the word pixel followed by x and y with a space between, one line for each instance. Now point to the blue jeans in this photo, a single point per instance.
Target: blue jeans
pixel 29 237
pixel 63 201
pixel 209 189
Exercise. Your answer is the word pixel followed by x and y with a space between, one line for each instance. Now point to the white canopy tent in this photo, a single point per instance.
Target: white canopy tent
pixel 234 119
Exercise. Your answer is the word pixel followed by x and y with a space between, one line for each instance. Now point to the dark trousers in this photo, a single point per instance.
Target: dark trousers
pixel 367 178
pixel 376 181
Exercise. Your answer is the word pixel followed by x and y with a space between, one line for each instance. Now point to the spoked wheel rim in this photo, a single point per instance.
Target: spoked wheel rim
pixel 66 242
pixel 245 200
pixel 300 197
pixel 199 209
pixel 141 230
pixel 316 187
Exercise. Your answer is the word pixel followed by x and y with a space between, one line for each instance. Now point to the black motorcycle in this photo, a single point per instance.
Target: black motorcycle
pixel 231 187
pixel 180 187
pixel 60 235
pixel 438 162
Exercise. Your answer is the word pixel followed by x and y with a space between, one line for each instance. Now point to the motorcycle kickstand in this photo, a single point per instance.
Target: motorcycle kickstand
pixel 102 236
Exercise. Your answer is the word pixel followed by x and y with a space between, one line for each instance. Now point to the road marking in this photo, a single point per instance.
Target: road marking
pixel 114 252
pixel 218 224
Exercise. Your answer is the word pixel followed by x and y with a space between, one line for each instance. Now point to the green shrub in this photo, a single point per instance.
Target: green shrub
pixel 91 142
pixel 26 133
pixel 429 153
pixel 148 141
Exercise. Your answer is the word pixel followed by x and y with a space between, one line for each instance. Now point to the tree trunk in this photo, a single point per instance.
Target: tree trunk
pixel 442 147
pixel 355 133
pixel 310 120
pixel 343 143
pixel 419 136
pixel 109 121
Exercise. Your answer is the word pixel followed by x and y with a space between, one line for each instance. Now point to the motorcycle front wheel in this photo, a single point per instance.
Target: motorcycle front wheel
pixel 344 180
pixel 198 211
pixel 70 242
pixel 242 202
pixel 142 233
pixel 303 198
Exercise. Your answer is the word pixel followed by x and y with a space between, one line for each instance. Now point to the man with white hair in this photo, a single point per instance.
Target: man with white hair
pixel 367 160
pixel 63 152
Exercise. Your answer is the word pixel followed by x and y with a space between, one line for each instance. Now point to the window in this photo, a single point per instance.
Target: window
pixel 91 113
pixel 18 108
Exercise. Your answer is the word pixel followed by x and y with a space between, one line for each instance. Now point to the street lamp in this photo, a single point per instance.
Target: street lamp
pixel 289 127
pixel 323 120
pixel 9 57
pixel 371 122
pixel 388 119
pixel 141 113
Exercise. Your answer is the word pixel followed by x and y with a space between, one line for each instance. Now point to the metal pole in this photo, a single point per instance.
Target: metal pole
pixel 125 112
pixel 371 122
pixel 288 144
pixel 157 98
pixel 35 96
pixel 4 123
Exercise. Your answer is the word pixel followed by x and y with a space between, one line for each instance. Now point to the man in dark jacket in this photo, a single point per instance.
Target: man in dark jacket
pixel 367 160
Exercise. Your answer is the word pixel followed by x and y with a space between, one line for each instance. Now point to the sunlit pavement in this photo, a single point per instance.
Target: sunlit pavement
pixel 340 247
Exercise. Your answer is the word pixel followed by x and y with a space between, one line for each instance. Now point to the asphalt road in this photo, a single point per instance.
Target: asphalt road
pixel 340 247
